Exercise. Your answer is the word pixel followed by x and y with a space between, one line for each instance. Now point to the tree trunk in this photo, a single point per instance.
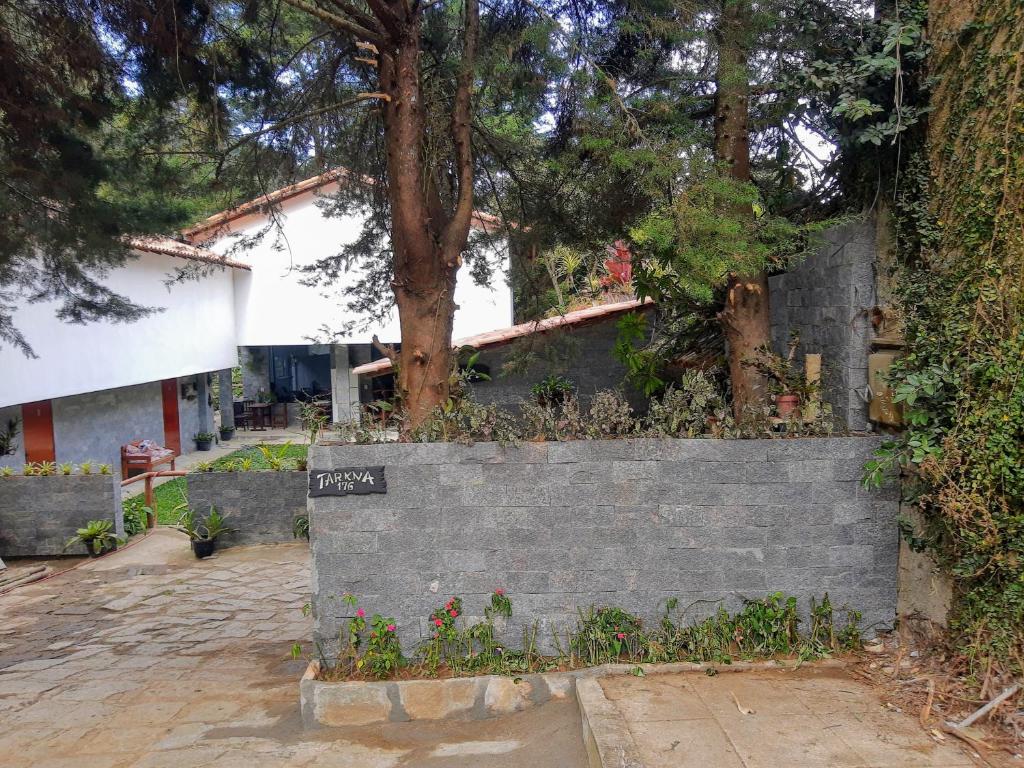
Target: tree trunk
pixel 745 318
pixel 427 241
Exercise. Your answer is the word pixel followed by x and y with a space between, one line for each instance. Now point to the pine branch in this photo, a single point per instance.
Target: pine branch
pixel 336 21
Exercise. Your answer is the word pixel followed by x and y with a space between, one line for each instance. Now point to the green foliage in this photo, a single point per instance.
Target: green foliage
pixel 692 408
pixel 959 236
pixel 135 519
pixel 552 389
pixel 209 528
pixel 98 536
pixel 300 527
pixel 716 227
pixel 767 628
pixel 643 363
pixel 368 648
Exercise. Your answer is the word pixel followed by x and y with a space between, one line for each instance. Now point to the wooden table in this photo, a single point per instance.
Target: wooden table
pixel 260 416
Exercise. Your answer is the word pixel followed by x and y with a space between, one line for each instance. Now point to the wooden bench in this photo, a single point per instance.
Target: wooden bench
pixel 137 463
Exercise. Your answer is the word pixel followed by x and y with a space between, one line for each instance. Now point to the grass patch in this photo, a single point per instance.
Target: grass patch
pixel 172 497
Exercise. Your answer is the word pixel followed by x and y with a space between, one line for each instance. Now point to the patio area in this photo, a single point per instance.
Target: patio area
pixel 152 658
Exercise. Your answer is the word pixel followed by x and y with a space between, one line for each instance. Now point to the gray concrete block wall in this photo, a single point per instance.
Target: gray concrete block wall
pixel 562 526
pixel 262 506
pixel 826 300
pixel 94 426
pixel 188 412
pixel 39 514
pixel 584 355
pixel 16 459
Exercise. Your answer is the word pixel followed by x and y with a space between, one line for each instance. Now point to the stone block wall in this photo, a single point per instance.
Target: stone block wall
pixel 39 514
pixel 562 526
pixel 584 355
pixel 262 506
pixel 826 299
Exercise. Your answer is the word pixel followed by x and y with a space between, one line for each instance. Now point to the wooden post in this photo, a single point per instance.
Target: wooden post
pixel 812 369
pixel 150 502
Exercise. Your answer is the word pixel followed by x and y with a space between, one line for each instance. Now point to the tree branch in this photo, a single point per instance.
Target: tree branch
pixel 296 118
pixel 387 18
pixel 457 230
pixel 360 17
pixel 336 21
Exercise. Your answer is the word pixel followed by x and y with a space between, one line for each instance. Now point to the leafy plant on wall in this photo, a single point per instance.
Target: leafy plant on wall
pixel 9 437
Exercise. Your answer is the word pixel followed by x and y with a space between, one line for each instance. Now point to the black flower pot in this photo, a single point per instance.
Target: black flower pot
pixel 227 434
pixel 202 547
pixel 204 445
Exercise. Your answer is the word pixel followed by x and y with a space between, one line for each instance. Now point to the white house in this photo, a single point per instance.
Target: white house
pixel 94 387
pixel 279 320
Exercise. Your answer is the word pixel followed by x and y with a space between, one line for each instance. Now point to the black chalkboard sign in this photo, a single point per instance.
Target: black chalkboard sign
pixel 350 480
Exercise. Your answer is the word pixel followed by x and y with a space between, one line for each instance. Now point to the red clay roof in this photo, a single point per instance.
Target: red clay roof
pixel 506 335
pixel 211 227
pixel 168 246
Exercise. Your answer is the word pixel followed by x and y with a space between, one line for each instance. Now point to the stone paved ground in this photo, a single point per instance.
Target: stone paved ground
pixel 150 658
pixel 812 717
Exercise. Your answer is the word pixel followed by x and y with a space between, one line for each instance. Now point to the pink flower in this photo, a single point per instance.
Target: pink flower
pixel 499 591
pixel 621 635
pixel 438 622
pixel 453 614
pixel 360 613
pixel 391 627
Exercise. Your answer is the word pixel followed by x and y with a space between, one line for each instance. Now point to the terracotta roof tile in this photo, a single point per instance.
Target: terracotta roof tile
pixel 168 246
pixel 212 227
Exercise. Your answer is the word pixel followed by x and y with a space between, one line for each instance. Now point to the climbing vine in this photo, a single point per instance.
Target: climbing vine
pixel 959 219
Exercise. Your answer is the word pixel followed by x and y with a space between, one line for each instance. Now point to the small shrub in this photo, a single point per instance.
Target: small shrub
pixel 693 407
pixel 611 415
pixel 552 390
pixel 85 467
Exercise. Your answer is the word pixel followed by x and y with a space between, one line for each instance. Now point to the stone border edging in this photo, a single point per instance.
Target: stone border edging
pixel 481 697
pixel 606 736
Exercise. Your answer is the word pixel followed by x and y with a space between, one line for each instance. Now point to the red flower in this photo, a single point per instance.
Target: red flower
pixel 391 627
pixel 438 622
pixel 499 591
pixel 621 635
pixel 453 614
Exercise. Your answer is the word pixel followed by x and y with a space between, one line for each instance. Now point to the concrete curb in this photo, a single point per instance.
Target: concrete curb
pixel 332 704
pixel 606 735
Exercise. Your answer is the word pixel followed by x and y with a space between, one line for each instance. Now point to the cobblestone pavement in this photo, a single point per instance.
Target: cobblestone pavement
pixel 150 658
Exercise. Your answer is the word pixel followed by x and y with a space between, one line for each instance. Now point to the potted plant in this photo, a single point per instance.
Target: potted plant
pixel 204 440
pixel 203 535
pixel 226 433
pixel 97 536
pixel 787 380
pixel 552 390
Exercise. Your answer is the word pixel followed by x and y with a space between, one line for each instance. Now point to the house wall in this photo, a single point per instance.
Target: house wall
pixel 826 299
pixel 630 523
pixel 194 331
pixel 94 426
pixel 273 307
